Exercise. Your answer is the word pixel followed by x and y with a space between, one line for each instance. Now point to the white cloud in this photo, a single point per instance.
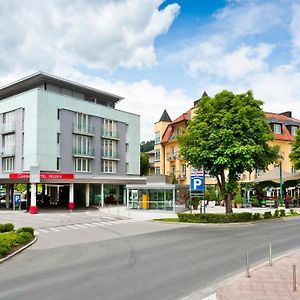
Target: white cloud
pixel 97 34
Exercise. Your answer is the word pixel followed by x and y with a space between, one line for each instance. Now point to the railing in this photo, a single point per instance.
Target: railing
pixel 87 130
pixel 83 152
pixel 9 150
pixel 108 154
pixel 110 134
pixel 171 156
pixel 7 127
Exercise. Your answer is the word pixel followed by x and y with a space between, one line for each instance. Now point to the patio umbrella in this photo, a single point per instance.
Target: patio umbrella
pixel 295 176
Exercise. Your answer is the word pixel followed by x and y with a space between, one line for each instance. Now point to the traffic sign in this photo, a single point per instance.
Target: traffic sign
pixel 197 183
pixel 17 198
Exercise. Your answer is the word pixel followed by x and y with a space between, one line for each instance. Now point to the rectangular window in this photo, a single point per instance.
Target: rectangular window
pixel 277 128
pixel 58 114
pixel 183 170
pixel 82 165
pixel 109 148
pixel 58 138
pixel 82 145
pixel 8 164
pixel 109 128
pixel 58 164
pixel 294 130
pixel 157 137
pixel 109 166
pixel 8 144
pixel 82 123
pixel 157 155
pixel 157 171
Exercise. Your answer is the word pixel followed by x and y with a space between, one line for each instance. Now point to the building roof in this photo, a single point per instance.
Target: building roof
pixel 285 121
pixel 37 79
pixel 165 117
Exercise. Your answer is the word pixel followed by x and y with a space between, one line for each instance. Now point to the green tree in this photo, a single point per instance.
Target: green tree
pixel 295 154
pixel 144 164
pixel 146 146
pixel 228 136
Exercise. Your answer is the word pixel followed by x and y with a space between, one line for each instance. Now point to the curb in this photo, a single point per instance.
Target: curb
pixel 18 251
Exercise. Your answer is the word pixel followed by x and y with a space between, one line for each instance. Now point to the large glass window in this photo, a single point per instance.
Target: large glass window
pixel 294 130
pixel 82 165
pixel 82 123
pixel 8 164
pixel 157 155
pixel 109 128
pixel 82 145
pixel 277 128
pixel 109 148
pixel 9 144
pixel 157 137
pixel 109 166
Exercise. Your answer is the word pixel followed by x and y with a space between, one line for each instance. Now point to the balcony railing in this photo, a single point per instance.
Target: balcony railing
pixel 108 154
pixel 9 150
pixel 110 134
pixel 83 152
pixel 171 156
pixel 85 130
pixel 7 127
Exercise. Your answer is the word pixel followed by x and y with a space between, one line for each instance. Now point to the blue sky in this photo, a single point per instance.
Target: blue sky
pixel 158 54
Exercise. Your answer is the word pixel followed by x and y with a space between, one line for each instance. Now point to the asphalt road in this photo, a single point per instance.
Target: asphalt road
pixel 141 260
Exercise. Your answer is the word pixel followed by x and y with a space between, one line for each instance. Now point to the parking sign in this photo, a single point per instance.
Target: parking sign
pixel 197 183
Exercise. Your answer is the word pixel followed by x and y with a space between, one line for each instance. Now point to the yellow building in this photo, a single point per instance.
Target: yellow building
pixel 167 153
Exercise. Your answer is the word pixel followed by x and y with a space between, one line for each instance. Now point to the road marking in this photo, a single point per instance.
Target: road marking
pixel 89 225
pixel 54 229
pixel 80 226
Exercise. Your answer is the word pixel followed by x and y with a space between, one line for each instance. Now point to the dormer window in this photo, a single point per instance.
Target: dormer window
pixel 277 128
pixel 294 130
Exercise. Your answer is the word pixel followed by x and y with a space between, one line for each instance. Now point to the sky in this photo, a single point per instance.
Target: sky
pixel 158 54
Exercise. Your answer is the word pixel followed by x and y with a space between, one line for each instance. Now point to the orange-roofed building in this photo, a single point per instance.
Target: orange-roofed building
pixel 167 152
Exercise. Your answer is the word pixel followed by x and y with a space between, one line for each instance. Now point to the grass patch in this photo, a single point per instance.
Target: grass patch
pixel 12 240
pixel 172 220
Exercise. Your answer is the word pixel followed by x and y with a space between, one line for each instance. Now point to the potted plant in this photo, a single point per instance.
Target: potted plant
pixel 238 200
pixel 195 202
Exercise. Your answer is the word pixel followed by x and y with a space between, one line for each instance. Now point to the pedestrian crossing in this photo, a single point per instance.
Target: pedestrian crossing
pixel 107 222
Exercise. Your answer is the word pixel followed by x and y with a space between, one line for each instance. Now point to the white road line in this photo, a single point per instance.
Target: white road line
pixel 72 227
pixel 54 229
pixel 80 226
pixel 43 230
pixel 89 225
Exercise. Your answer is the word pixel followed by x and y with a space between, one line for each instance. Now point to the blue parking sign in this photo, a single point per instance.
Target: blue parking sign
pixel 197 183
pixel 17 198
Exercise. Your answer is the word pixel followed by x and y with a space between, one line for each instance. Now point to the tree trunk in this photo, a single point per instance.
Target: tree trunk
pixel 228 203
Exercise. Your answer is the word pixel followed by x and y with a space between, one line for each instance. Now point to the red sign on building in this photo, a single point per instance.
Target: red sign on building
pixel 42 176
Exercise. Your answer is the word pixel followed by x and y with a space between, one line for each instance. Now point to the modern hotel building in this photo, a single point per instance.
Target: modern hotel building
pixel 70 139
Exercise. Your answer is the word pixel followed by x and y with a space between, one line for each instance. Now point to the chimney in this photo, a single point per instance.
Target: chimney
pixel 287 114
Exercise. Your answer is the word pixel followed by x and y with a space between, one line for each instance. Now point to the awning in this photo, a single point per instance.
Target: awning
pixel 273 175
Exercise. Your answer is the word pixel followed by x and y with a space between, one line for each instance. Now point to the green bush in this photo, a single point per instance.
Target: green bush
pixel 255 202
pixel 256 216
pixel 1 227
pixel 267 215
pixel 4 250
pixel 8 227
pixel 26 229
pixel 276 213
pixel 215 218
pixel 23 238
pixel 282 213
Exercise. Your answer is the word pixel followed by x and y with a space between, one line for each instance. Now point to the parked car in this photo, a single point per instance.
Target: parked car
pixel 2 195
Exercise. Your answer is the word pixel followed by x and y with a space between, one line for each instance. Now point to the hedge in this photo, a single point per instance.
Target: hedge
pixel 227 218
pixel 10 239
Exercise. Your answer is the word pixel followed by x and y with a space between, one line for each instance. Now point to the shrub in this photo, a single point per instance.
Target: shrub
pixel 23 238
pixel 26 229
pixel 255 202
pixel 215 218
pixel 1 227
pixel 8 227
pixel 282 213
pixel 276 213
pixel 267 215
pixel 256 216
pixel 4 249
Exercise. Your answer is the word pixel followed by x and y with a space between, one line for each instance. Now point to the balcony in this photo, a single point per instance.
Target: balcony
pixel 83 130
pixel 77 152
pixel 171 156
pixel 182 177
pixel 110 155
pixel 7 127
pixel 113 135
pixel 9 150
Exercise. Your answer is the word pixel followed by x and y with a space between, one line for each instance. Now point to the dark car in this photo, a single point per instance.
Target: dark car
pixel 2 195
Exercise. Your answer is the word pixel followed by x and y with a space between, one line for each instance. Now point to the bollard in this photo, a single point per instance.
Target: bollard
pixel 270 256
pixel 294 278
pixel 247 265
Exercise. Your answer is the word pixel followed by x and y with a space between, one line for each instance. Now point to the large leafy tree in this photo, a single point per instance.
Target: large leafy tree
pixel 144 164
pixel 295 154
pixel 227 136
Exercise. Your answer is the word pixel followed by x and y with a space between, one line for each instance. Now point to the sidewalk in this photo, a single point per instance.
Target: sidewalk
pixel 265 282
